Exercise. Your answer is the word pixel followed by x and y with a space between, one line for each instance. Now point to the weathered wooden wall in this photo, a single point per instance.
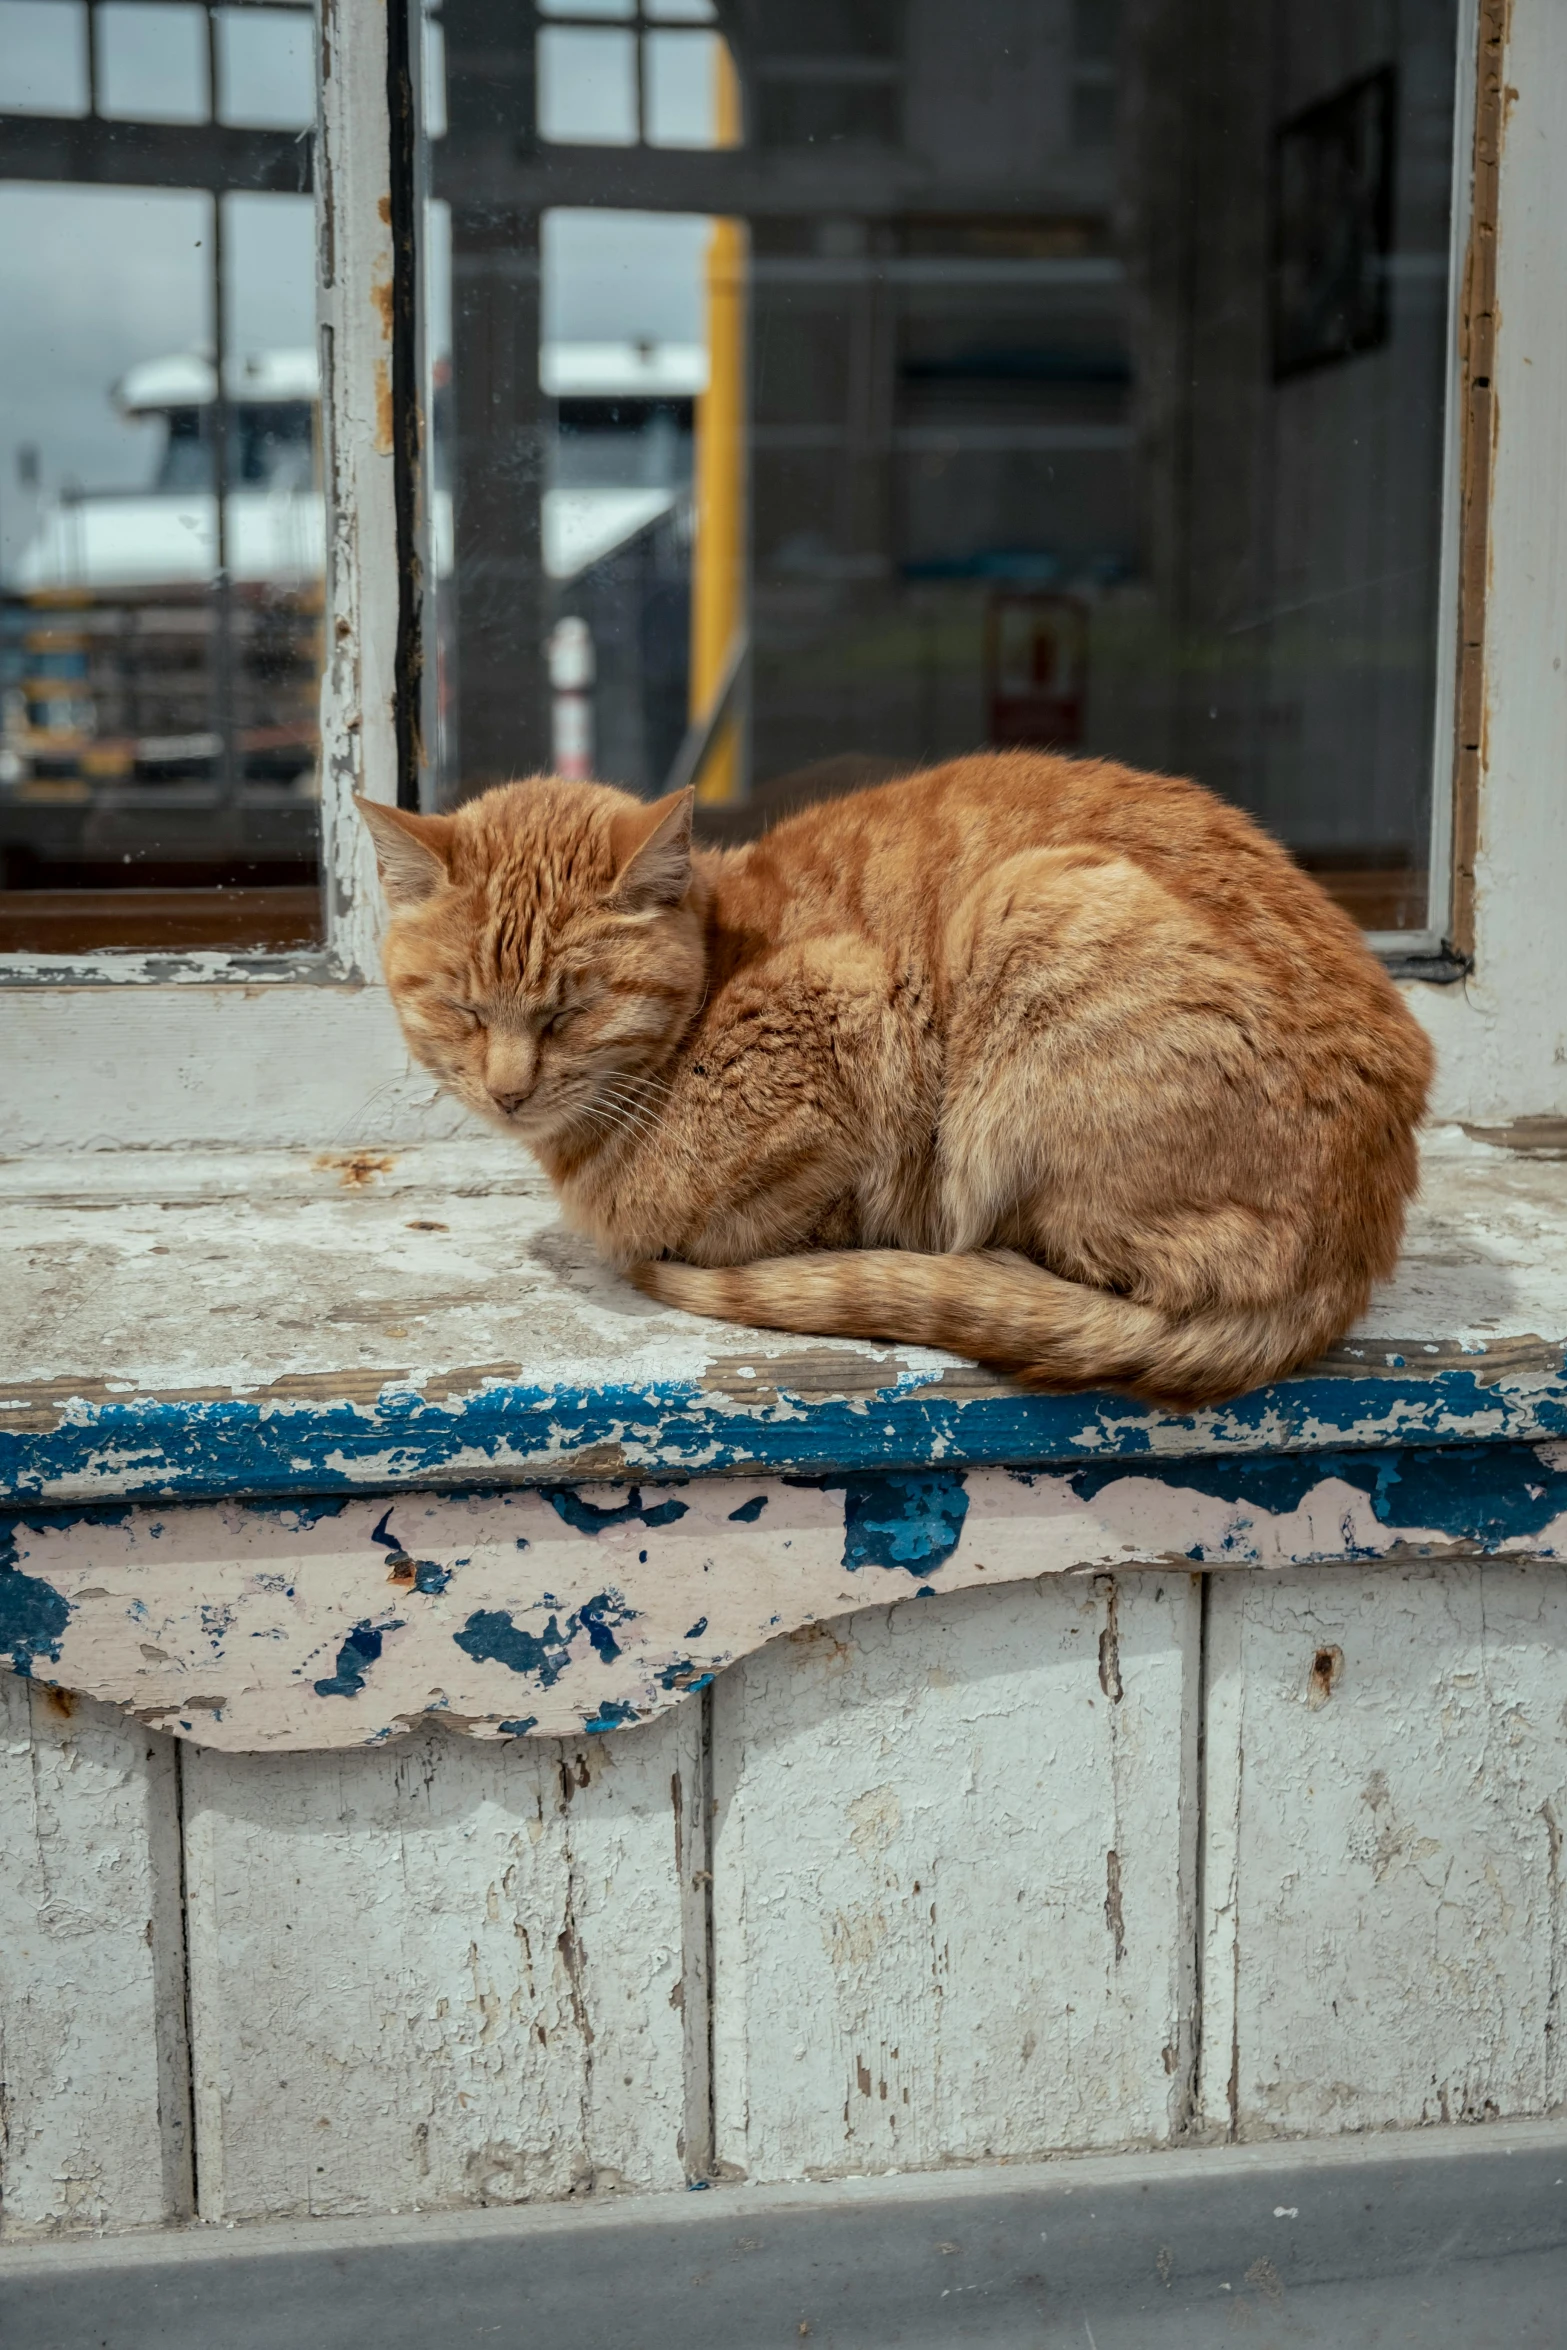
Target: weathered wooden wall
pixel 1089 1861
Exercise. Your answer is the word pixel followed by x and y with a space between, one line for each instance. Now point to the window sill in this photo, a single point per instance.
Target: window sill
pixel 388 1389
pixel 250 1324
pixel 177 967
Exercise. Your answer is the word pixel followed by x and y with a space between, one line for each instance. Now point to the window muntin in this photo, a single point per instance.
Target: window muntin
pixel 160 659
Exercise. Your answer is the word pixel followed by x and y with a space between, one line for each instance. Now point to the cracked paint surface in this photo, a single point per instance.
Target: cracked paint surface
pixel 282 1324
pixel 571 1610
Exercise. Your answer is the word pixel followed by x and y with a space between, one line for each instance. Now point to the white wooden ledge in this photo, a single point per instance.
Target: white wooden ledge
pixel 428 1460
pixel 186 1327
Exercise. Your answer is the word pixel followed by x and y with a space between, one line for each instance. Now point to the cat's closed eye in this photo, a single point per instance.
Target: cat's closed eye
pixel 467 1014
pixel 555 1023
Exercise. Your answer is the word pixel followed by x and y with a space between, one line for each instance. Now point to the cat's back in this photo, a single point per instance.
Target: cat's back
pixel 898 859
pixel 903 862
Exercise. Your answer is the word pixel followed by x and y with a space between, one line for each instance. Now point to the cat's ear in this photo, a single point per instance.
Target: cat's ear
pixel 410 851
pixel 652 849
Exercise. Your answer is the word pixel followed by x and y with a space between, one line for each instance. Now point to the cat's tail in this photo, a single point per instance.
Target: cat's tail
pixel 1005 1310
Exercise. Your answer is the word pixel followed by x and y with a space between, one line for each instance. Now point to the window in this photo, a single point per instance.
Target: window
pixel 161 515
pixel 1088 396
pixel 618 73
pixel 856 383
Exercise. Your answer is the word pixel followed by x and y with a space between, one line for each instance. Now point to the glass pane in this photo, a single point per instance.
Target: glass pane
pixel 159 653
pixel 43 57
pixel 434 78
pixel 1072 376
pixel 152 62
pixel 587 86
pixel 680 71
pixel 266 68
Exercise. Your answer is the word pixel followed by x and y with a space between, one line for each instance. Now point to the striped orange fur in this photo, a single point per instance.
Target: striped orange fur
pixel 1067 1068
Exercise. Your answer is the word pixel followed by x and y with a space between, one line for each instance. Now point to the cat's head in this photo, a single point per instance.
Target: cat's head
pixel 545 947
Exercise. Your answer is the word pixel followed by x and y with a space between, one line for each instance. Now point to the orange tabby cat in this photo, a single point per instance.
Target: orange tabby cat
pixel 1064 1067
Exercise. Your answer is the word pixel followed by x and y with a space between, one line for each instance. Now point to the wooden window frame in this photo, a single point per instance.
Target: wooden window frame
pixel 1492 828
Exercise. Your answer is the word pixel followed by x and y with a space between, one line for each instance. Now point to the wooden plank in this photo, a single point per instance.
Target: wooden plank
pixel 1501 1048
pixel 437 1975
pixel 272 1626
pixel 1385 1800
pixel 953 1880
pixel 94 2086
pixel 310 1323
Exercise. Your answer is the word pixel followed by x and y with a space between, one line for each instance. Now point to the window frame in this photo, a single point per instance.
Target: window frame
pixel 368 189
pixel 367 113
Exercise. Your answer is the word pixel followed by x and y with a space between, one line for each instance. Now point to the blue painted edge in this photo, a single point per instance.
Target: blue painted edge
pixel 1486 1496
pixel 247 1447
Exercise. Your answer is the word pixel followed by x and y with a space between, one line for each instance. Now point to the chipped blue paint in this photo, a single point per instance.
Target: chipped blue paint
pixel 226 1447
pixel 33 1615
pixel 586 1517
pixel 307 1513
pixel 1485 1494
pixel 430 1578
pixel 358 1653
pixel 33 1618
pixel 698 1628
pixel 598 1617
pixel 749 1511
pixel 911 1521
pixel 491 1635
pixel 681 1673
pixel 520 1727
pixel 611 1715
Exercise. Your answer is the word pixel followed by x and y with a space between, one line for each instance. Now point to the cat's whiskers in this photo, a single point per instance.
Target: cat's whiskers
pixel 644 1113
pixel 625 1124
pixel 612 1117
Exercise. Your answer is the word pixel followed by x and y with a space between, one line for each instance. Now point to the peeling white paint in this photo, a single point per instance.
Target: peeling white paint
pixel 269 1628
pixel 949 1883
pixel 1385 1933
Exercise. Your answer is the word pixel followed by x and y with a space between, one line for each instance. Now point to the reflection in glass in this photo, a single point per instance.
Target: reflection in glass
pixel 161 542
pixel 266 67
pixel 587 85
pixel 43 57
pixel 152 61
pixel 681 88
pixel 1095 368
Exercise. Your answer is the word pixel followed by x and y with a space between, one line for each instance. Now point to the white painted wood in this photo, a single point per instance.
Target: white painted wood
pixel 119 1070
pixel 94 2086
pixel 153 1053
pixel 950 1906
pixel 271 1628
pixel 1384 1804
pixel 1502 1038
pixel 1439 850
pixel 353 212
pixel 435 1975
pixel 228 1272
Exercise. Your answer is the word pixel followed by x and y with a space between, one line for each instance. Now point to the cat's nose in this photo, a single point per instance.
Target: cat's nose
pixel 507 1103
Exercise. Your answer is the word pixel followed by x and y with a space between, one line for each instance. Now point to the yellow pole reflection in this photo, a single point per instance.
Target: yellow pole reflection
pixel 718 544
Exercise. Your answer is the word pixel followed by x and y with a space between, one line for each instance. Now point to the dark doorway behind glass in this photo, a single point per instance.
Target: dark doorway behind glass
pixel 870 381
